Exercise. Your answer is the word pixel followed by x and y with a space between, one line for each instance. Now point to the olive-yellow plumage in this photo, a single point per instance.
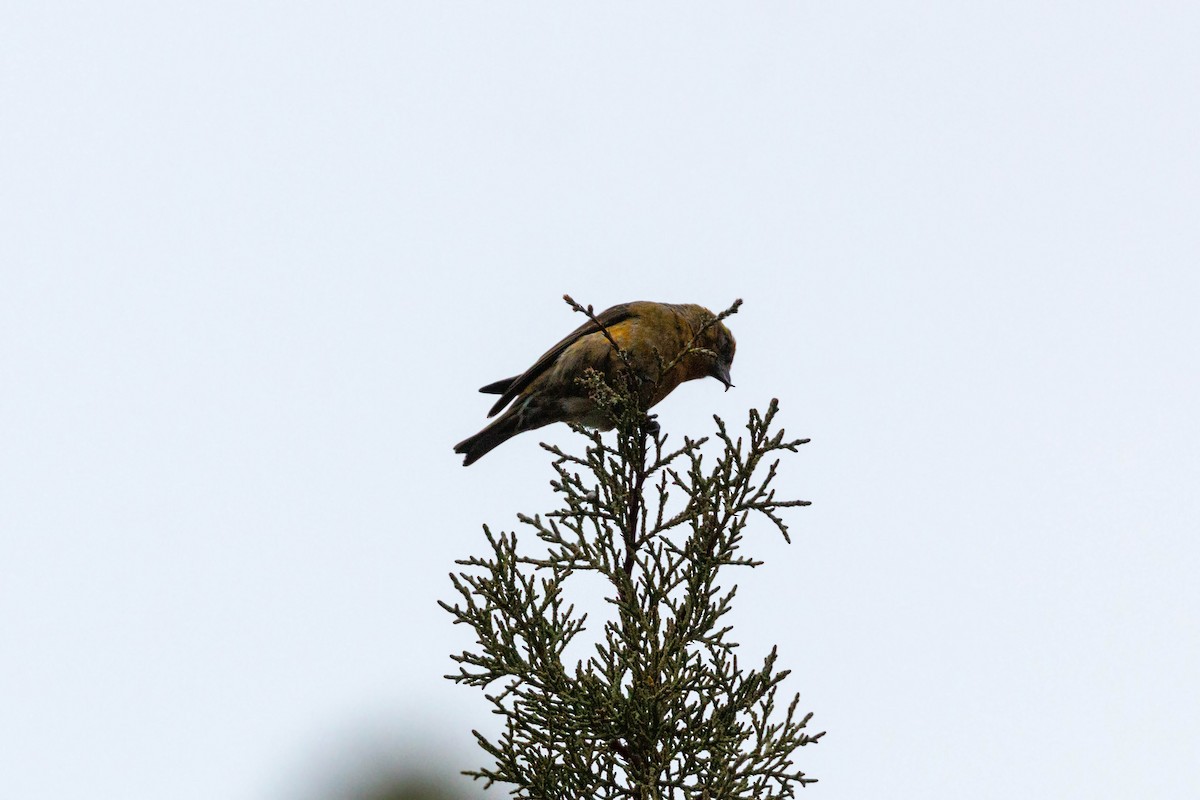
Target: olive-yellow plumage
pixel 549 391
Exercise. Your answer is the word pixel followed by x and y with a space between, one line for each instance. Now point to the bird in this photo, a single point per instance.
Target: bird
pixel 687 338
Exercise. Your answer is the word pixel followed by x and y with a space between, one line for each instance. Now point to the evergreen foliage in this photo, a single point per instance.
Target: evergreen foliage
pixel 663 708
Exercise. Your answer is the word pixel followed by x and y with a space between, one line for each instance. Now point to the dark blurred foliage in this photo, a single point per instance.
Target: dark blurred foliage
pixel 407 787
pixel 381 762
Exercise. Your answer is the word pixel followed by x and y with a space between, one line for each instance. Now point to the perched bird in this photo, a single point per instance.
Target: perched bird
pixel 651 334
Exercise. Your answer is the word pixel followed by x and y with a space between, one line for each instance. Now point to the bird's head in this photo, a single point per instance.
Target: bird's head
pixel 720 341
pixel 717 339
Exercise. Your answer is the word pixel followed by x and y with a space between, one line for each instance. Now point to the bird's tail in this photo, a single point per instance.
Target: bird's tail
pixel 494 435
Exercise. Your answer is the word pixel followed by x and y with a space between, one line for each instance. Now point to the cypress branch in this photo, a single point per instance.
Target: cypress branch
pixel 662 708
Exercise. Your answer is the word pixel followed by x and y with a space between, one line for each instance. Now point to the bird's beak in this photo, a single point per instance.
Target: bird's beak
pixel 720 371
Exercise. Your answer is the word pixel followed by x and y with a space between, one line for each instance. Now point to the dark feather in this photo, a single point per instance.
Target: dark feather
pixel 500 386
pixel 494 435
pixel 607 318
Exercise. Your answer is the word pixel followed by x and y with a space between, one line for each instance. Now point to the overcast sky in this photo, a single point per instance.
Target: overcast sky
pixel 256 259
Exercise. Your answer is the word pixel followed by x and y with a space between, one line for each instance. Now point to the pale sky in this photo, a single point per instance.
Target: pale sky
pixel 256 259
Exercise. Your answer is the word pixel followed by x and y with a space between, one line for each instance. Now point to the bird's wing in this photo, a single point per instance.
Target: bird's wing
pixel 500 386
pixel 607 318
